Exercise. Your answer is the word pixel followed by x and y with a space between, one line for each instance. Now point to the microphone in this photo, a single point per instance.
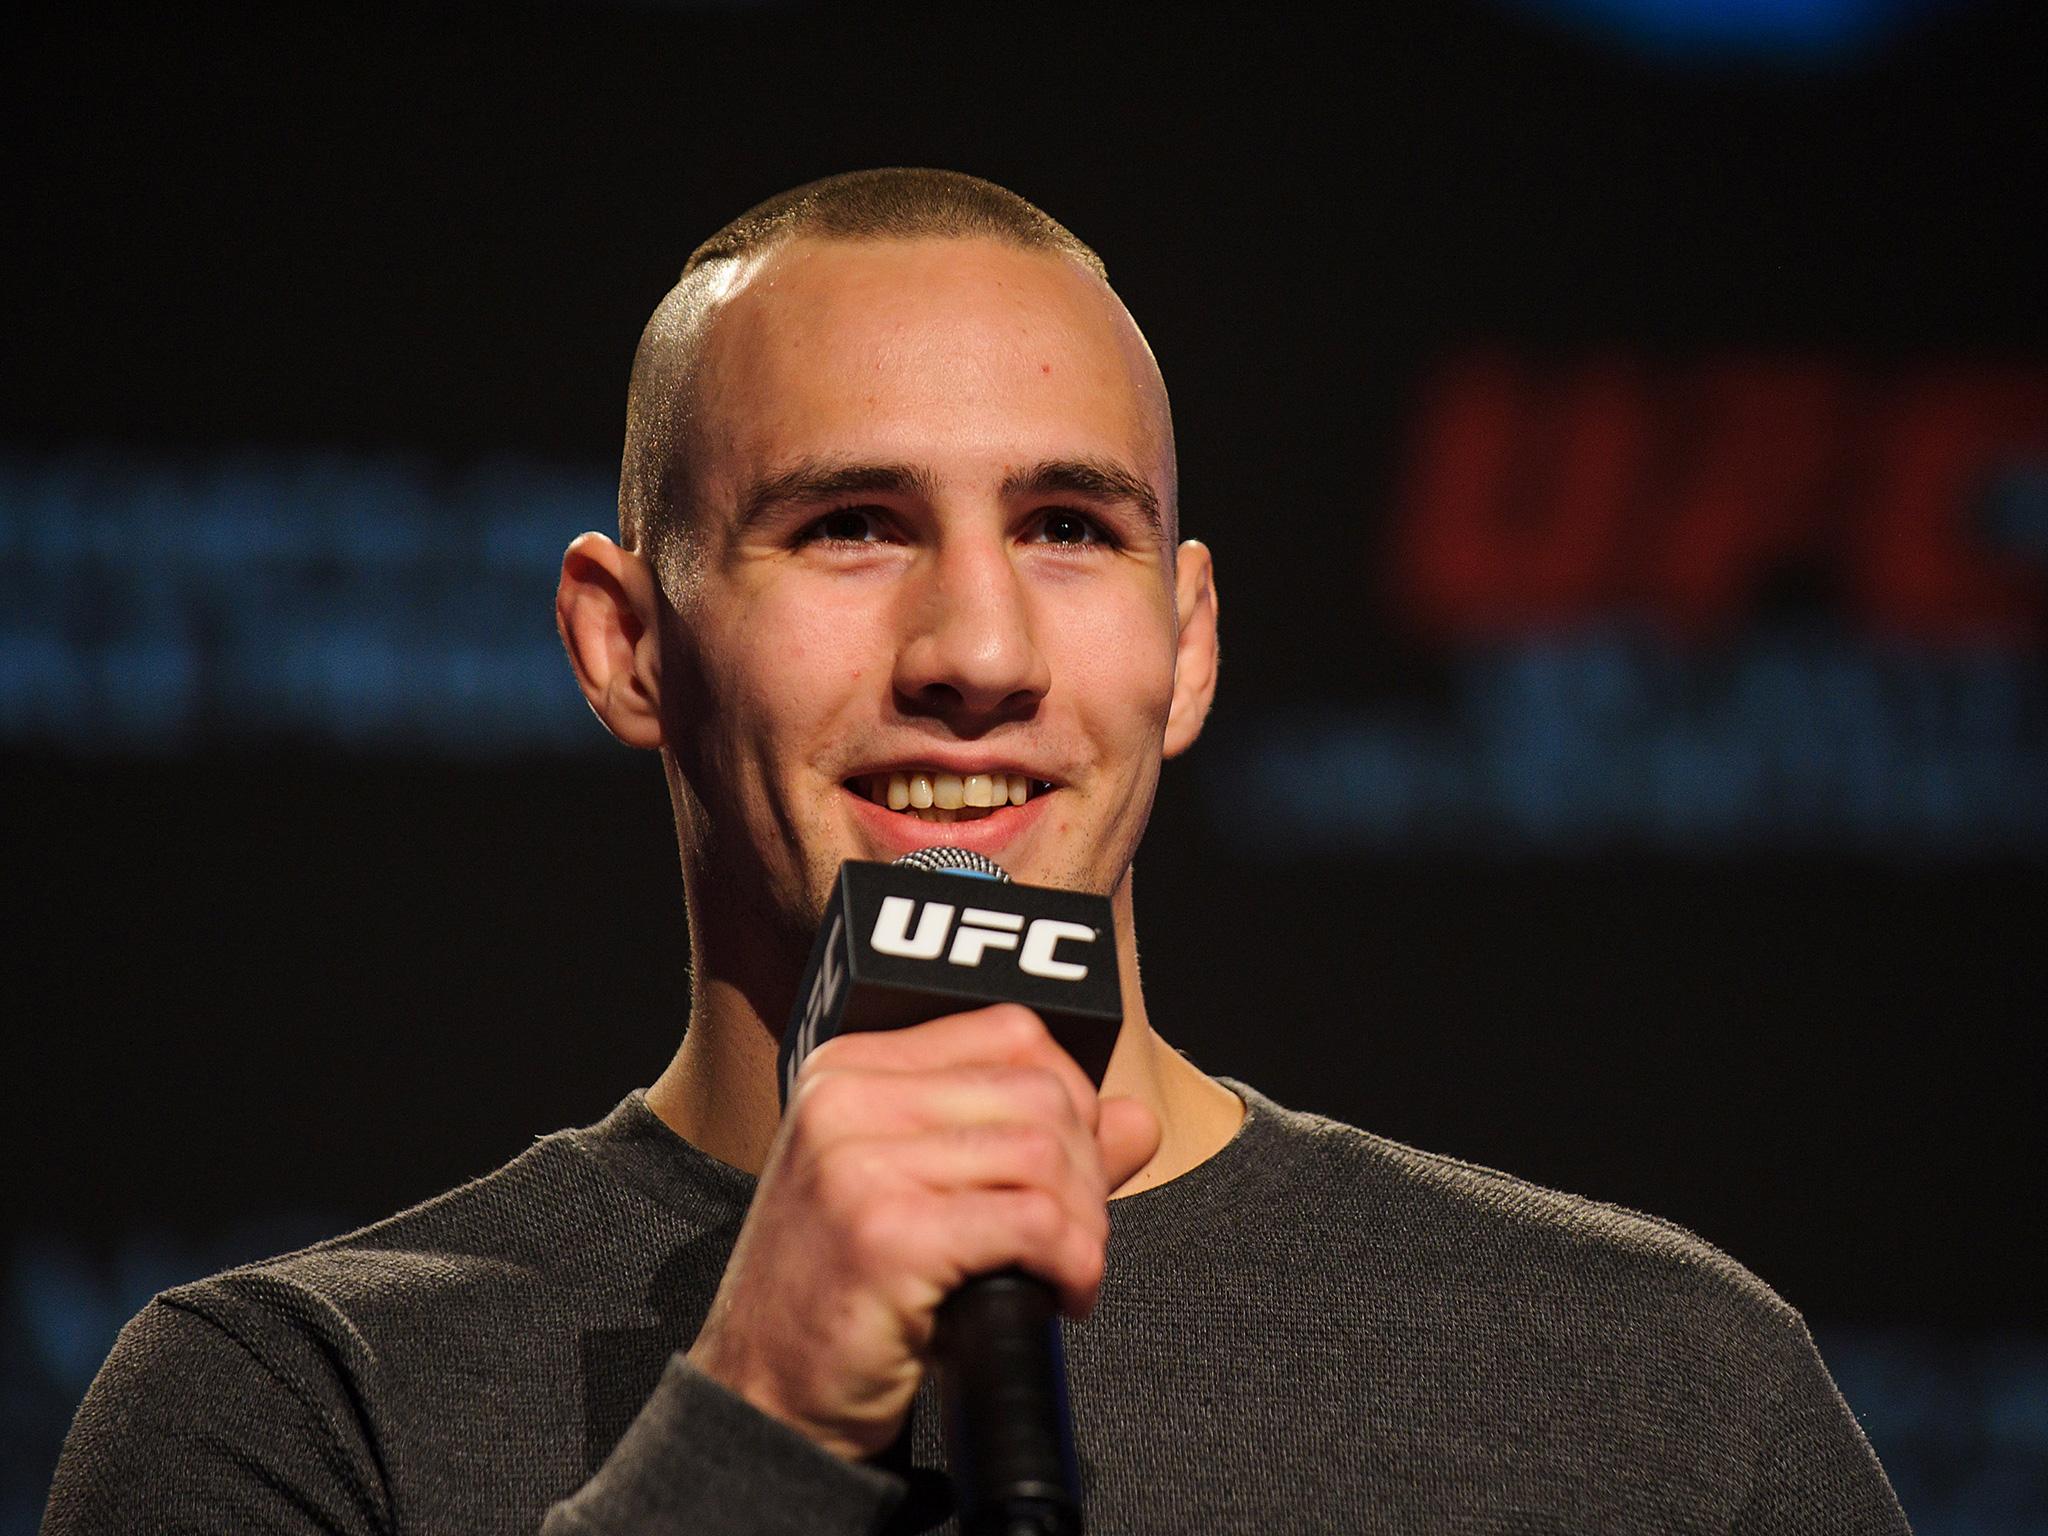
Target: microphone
pixel 905 942
pixel 900 943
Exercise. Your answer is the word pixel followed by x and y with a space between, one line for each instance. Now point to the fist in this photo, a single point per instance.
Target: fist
pixel 907 1162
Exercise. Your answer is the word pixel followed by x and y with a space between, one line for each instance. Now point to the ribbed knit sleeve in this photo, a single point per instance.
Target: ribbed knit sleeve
pixel 699 1458
pixel 189 1428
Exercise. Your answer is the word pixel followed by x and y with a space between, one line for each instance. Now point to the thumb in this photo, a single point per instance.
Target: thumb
pixel 1128 1135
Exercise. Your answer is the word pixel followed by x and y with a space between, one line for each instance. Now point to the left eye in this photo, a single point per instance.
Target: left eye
pixel 1069 528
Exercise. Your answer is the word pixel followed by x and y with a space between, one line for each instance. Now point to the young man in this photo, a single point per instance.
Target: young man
pixel 899 567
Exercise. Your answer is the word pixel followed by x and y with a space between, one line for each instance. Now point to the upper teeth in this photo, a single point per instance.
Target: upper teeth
pixel 921 789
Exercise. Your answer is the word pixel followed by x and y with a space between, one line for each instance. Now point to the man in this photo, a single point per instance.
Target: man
pixel 900 567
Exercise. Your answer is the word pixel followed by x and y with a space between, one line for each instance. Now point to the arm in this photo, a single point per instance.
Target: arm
pixel 188 1428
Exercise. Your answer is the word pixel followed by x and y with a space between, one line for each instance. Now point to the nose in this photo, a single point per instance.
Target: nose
pixel 970 653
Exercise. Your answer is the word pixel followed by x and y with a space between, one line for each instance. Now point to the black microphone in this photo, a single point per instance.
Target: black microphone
pixel 905 942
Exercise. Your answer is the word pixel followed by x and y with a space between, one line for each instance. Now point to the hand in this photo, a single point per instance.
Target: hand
pixel 908 1161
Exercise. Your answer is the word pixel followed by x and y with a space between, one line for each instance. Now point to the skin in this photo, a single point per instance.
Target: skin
pixel 958 612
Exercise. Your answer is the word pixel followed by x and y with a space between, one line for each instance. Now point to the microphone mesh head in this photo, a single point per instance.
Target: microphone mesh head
pixel 954 861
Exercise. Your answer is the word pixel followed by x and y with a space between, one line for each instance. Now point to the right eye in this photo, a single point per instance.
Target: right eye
pixel 845 525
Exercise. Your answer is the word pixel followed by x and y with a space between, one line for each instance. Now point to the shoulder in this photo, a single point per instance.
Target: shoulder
pixel 417 1359
pixel 507 1223
pixel 1477 1230
pixel 184 1418
pixel 1500 1333
pixel 559 1227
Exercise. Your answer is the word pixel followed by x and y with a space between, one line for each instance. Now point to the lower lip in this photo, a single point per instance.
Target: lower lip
pixel 900 832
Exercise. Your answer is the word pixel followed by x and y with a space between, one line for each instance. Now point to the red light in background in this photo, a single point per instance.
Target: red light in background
pixel 1539 499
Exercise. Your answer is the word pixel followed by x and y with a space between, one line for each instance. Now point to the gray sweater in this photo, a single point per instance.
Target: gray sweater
pixel 1317 1329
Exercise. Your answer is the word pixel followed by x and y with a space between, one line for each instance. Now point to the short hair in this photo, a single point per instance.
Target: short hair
pixel 895 203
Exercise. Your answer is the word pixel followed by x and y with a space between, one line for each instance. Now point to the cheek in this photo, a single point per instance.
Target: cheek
pixel 1120 665
pixel 793 668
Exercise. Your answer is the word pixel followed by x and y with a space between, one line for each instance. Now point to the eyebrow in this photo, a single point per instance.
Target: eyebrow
pixel 815 480
pixel 1097 479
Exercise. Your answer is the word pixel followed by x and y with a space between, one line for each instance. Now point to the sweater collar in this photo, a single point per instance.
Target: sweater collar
pixel 638 1146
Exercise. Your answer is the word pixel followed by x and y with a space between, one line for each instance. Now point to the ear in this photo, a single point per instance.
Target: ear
pixel 608 610
pixel 1195 655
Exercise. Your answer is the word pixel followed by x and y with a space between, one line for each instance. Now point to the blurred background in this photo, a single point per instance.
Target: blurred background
pixel 1622 426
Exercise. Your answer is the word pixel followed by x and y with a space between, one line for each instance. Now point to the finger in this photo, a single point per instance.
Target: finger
pixel 1001 1034
pixel 975 1158
pixel 833 1105
pixel 980 1231
pixel 1016 1156
pixel 1128 1137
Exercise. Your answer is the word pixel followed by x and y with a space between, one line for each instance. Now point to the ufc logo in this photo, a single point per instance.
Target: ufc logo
pixel 978 932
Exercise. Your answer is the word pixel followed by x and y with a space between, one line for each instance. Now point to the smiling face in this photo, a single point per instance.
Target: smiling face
pixel 929 590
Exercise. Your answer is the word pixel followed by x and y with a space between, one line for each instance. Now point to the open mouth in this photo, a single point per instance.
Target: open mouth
pixel 931 795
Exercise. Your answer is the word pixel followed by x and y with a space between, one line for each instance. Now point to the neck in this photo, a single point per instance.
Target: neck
pixel 719 1092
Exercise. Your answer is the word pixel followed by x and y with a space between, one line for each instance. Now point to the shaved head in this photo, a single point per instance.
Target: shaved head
pixel 667 410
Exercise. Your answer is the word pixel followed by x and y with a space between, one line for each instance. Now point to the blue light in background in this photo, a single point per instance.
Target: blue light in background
pixel 379 604
pixel 1805 739
pixel 60 1310
pixel 1720 31
pixel 2014 511
pixel 1961 1423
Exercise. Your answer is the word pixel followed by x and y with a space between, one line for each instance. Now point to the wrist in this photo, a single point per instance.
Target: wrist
pixel 738 1372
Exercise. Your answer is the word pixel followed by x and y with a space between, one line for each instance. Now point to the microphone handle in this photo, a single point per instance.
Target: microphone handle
pixel 1009 1436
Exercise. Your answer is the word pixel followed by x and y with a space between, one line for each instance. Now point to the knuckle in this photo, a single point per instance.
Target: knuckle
pixel 1029 1093
pixel 1045 1094
pixel 810 1078
pixel 823 1056
pixel 809 1106
pixel 1018 1025
pixel 827 1096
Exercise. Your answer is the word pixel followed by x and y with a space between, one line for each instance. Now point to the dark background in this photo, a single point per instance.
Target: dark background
pixel 265 983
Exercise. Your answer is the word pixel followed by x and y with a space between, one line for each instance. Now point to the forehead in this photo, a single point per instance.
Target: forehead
pixel 963 354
